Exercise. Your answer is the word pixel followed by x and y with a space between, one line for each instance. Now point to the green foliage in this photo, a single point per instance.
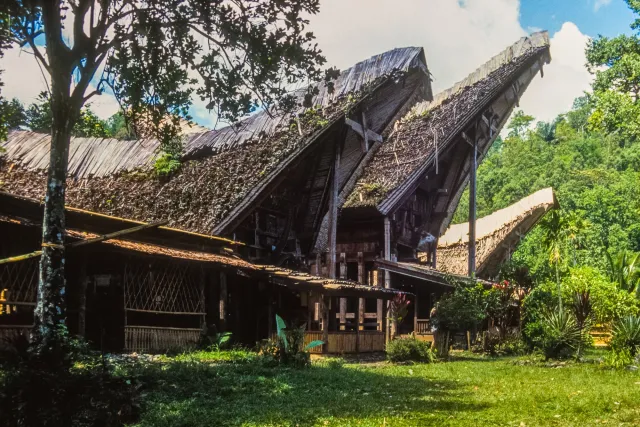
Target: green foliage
pixel 624 270
pixel 212 340
pixel 465 308
pixel 167 164
pixel 498 344
pixel 12 114
pixel 520 122
pixel 410 349
pixel 625 335
pixel 398 308
pixel 288 348
pixel 561 336
pixel 84 391
pixel 38 117
pixel 586 293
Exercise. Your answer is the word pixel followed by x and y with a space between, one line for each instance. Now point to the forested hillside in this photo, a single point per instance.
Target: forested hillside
pixel 590 156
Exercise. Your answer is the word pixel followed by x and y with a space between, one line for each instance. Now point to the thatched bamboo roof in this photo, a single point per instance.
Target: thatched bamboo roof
pixel 404 158
pixel 497 235
pixel 223 169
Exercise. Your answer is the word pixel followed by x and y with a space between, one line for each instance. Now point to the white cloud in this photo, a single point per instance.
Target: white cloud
pixel 458 36
pixel 565 78
pixel 22 76
pixel 600 3
pixel 23 79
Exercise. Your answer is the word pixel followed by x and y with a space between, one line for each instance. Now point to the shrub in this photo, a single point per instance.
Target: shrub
pixel 288 348
pixel 561 336
pixel 80 389
pixel 534 307
pixel 510 344
pixel 591 296
pixel 410 349
pixel 212 340
pixel 463 309
pixel 625 335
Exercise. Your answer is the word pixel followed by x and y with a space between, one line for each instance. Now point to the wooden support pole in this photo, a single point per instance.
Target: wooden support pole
pixel 387 276
pixel 82 297
pixel 318 270
pixel 325 323
pixel 223 302
pixel 358 323
pixel 343 301
pixel 88 241
pixel 270 316
pixel 415 314
pixel 472 206
pixel 333 213
pixel 363 280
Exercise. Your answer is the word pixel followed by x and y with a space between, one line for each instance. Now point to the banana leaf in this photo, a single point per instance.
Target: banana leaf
pixel 312 344
pixel 281 326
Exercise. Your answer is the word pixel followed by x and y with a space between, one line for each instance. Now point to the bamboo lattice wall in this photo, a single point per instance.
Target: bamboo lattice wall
pixel 18 293
pixel 168 288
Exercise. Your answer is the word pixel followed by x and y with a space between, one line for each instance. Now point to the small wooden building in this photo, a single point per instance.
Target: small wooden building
pixel 349 190
pixel 154 288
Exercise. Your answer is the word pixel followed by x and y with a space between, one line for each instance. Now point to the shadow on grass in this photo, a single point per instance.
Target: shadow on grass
pixel 193 394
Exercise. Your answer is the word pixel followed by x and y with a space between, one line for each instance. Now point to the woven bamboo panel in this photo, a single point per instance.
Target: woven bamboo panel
pixel 20 280
pixel 147 338
pixel 164 287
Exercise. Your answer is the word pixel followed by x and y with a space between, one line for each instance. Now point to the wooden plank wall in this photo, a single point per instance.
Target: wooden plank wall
pixel 345 342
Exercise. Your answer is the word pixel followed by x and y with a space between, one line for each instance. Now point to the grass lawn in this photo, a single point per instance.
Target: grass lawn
pixel 210 389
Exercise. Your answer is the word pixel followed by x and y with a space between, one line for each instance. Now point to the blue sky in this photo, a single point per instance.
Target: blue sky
pixel 457 35
pixel 592 17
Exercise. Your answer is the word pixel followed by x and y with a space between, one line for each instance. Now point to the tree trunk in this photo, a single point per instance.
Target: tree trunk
pixel 50 310
pixel 559 287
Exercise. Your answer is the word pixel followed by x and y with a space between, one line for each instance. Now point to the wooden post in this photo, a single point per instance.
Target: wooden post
pixel 333 212
pixel 387 276
pixel 358 323
pixel 472 206
pixel 270 316
pixel 318 271
pixel 343 301
pixel 363 280
pixel 325 323
pixel 375 277
pixel 223 302
pixel 415 314
pixel 82 298
pixel 203 286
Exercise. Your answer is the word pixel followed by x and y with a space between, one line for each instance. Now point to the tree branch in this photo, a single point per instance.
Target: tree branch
pixel 89 96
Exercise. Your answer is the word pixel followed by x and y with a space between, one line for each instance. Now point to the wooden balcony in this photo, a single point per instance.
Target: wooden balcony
pixel 423 327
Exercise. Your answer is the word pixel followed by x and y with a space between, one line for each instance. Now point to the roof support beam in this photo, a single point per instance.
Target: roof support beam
pixel 369 135
pixel 333 211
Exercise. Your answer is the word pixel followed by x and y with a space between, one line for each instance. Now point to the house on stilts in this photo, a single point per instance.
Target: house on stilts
pixel 322 211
